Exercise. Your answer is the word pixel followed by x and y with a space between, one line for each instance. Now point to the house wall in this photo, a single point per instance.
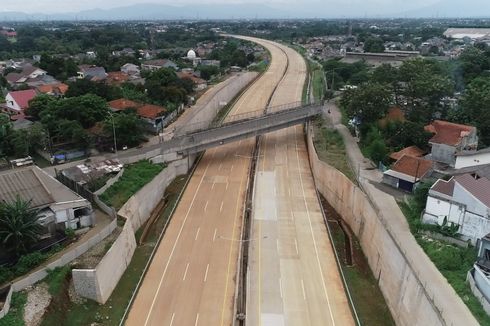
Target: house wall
pixel 436 209
pixel 443 153
pixel 472 160
pixel 474 227
pixel 461 195
pixel 390 180
pixel 9 100
pixel 415 291
pixel 484 244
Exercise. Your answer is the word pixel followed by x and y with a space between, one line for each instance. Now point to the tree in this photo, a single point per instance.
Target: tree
pixel 373 44
pixel 474 105
pixel 123 122
pixel 39 104
pixel 19 227
pixel 369 103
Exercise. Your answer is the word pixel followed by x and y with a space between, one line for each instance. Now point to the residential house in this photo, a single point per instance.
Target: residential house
pixel 466 159
pixel 463 200
pixel 153 116
pixel 412 151
pixel 130 69
pixel 116 78
pixel 59 207
pixel 199 83
pixel 92 73
pixel 17 101
pixel 28 72
pixel 57 90
pixel 153 65
pixel 480 273
pixel 449 139
pixel 124 52
pixel 123 104
pixel 407 173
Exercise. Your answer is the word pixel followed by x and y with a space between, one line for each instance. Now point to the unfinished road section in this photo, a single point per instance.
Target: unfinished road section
pixel 293 277
pixel 192 277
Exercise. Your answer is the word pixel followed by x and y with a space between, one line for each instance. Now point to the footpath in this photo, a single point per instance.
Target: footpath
pixel 444 298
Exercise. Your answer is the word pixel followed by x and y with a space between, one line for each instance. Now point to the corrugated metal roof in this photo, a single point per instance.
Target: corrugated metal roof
pixel 25 184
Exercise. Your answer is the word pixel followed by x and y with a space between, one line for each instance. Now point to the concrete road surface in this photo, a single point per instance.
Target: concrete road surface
pixel 191 280
pixel 293 277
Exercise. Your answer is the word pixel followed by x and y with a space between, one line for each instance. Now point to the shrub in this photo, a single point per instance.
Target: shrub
pixel 55 279
pixel 6 275
pixel 29 261
pixel 70 233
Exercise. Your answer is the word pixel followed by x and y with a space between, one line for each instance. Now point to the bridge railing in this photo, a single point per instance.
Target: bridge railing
pixel 201 126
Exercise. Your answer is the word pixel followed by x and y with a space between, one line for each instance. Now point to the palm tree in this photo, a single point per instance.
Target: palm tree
pixel 19 227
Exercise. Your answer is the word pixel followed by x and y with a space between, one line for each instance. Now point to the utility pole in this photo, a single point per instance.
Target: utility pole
pixel 113 132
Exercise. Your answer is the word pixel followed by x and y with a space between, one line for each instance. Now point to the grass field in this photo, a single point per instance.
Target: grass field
pixel 330 148
pixel 135 176
pixel 15 316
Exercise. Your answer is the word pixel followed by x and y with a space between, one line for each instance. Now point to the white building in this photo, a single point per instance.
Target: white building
pixel 471 158
pixel 463 200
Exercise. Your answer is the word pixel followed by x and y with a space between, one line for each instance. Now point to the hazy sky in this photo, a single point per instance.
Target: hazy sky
pixel 56 6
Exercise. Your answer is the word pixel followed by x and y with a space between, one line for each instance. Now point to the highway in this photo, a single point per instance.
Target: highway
pixel 293 278
pixel 192 277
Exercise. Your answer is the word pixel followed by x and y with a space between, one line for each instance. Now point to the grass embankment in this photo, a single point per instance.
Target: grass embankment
pixel 317 81
pixel 88 312
pixel 330 148
pixel 135 176
pixel 368 300
pixel 15 316
pixel 452 261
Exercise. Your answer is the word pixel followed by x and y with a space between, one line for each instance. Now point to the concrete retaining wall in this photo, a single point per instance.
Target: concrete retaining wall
pixel 109 183
pixel 98 283
pixel 6 305
pixel 416 293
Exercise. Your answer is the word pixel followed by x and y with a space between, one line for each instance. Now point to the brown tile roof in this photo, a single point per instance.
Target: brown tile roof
pixel 478 187
pixel 123 104
pixel 395 114
pixel 52 89
pixel 447 132
pixel 412 166
pixel 410 151
pixel 150 111
pixel 116 77
pixel 188 75
pixel 444 187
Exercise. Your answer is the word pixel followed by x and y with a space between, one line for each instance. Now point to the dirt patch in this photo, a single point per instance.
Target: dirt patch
pixel 91 258
pixel 38 300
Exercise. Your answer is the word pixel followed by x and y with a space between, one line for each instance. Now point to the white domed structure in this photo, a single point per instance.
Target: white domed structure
pixel 191 55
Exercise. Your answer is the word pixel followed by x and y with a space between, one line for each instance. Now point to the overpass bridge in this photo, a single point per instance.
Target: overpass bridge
pixel 239 127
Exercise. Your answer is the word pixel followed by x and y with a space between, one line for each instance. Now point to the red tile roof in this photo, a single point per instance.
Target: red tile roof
pixel 478 187
pixel 22 98
pixel 413 151
pixel 55 88
pixel 123 104
pixel 447 132
pixel 150 111
pixel 412 166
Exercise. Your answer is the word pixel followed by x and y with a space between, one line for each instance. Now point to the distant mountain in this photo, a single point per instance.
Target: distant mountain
pixel 158 11
pixel 452 9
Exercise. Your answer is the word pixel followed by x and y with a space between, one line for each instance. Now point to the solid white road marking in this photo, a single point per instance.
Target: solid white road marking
pixel 206 206
pixel 303 288
pixel 197 233
pixel 214 236
pixel 221 207
pixel 172 320
pixel 175 244
pixel 212 187
pixel 280 287
pixel 226 188
pixel 185 273
pixel 206 274
pixel 313 237
pixel 296 246
pixel 197 320
pixel 277 245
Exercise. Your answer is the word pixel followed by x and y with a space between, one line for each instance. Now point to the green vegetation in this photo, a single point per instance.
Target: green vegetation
pixel 368 300
pixel 19 228
pixel 64 312
pixel 135 176
pixel 330 148
pixel 56 279
pixel 15 316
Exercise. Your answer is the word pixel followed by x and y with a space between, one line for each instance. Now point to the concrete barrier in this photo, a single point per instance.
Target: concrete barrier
pixel 476 291
pixel 98 283
pixel 415 291
pixel 6 305
pixel 109 183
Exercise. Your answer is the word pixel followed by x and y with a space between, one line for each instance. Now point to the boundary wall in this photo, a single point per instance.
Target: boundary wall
pixel 415 291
